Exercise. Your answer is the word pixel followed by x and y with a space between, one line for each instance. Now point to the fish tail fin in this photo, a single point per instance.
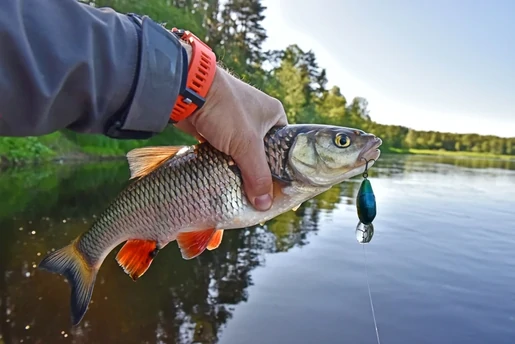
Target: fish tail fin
pixel 69 262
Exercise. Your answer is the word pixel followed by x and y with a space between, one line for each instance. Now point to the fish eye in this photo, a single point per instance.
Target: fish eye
pixel 342 141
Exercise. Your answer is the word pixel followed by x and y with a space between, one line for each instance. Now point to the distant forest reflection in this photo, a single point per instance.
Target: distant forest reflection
pixel 177 301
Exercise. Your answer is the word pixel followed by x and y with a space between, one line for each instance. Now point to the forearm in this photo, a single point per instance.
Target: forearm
pixel 64 64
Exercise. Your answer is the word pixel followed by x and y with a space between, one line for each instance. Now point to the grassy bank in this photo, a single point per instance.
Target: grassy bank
pixel 67 145
pixel 442 152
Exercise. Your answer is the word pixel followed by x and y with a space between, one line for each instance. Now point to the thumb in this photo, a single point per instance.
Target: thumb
pixel 257 178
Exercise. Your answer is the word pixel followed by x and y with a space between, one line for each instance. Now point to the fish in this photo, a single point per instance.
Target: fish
pixel 192 194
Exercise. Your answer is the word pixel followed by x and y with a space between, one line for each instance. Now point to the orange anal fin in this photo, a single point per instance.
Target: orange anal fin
pixel 216 240
pixel 136 256
pixel 193 244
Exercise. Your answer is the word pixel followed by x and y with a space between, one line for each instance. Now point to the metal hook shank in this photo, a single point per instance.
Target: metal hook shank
pixel 366 163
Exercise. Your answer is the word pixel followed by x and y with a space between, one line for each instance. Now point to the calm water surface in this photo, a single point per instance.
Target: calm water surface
pixel 441 264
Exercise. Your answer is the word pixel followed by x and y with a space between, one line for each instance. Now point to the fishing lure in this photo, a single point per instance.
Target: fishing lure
pixel 366 206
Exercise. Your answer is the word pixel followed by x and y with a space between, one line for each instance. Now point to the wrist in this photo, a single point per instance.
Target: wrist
pixel 159 61
pixel 199 70
pixel 188 48
pixel 219 85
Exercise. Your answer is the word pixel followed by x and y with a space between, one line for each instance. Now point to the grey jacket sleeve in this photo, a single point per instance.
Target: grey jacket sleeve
pixel 65 64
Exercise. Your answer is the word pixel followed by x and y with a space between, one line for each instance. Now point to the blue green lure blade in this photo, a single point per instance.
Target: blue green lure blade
pixel 366 206
pixel 366 203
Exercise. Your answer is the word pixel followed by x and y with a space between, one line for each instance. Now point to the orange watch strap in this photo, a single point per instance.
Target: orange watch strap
pixel 201 72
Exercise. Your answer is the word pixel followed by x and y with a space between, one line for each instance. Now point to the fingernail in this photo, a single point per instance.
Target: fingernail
pixel 263 202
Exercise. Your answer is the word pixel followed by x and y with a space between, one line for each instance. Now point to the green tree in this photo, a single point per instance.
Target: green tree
pixel 332 107
pixel 301 80
pixel 234 29
pixel 241 36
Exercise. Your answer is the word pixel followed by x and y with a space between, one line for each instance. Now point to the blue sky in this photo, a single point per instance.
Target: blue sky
pixel 429 65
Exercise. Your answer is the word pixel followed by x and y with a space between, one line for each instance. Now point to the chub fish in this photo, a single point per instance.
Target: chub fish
pixel 191 194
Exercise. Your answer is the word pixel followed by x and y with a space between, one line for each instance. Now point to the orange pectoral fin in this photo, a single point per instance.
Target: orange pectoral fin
pixel 136 256
pixel 193 244
pixel 277 189
pixel 216 240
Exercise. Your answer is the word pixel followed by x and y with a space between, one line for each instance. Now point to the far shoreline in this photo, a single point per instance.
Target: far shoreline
pixel 93 158
pixel 441 152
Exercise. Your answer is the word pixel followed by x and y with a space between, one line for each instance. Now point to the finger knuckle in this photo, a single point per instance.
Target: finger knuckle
pixel 262 183
pixel 277 105
pixel 277 108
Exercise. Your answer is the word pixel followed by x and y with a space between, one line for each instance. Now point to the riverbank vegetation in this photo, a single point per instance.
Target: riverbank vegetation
pixel 293 75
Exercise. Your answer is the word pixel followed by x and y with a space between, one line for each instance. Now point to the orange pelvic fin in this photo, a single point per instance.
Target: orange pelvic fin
pixel 192 244
pixel 136 256
pixel 216 240
pixel 144 160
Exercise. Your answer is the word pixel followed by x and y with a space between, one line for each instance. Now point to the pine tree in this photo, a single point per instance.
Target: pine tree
pixel 241 37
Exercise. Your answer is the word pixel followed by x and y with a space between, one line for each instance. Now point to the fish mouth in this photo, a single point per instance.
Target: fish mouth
pixel 370 152
pixel 368 155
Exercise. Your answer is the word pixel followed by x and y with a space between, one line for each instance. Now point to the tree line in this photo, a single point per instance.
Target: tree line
pixel 235 31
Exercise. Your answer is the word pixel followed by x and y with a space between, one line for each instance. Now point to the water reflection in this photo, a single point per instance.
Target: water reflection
pixel 177 301
pixel 394 164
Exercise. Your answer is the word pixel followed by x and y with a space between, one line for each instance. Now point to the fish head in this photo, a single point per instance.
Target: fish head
pixel 327 155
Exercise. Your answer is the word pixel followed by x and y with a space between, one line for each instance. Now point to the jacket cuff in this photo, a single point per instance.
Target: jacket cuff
pixel 156 86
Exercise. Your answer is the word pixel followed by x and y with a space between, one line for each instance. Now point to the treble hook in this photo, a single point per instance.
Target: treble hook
pixel 365 174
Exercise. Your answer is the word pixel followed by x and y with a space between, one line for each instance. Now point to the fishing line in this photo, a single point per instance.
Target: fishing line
pixel 370 295
pixel 366 206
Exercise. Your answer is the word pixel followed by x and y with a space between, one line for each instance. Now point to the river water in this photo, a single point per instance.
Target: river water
pixel 441 264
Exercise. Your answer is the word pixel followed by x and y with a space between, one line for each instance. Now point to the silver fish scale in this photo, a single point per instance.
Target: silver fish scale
pixel 196 189
pixel 188 190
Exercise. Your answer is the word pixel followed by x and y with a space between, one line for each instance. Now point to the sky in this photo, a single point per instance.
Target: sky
pixel 428 65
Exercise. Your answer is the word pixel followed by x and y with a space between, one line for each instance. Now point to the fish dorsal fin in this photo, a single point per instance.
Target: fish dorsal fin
pixel 144 160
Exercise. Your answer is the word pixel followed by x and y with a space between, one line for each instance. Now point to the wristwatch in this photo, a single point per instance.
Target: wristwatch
pixel 197 78
pixel 162 59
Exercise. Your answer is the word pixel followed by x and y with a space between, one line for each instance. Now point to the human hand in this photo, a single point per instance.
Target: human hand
pixel 235 119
